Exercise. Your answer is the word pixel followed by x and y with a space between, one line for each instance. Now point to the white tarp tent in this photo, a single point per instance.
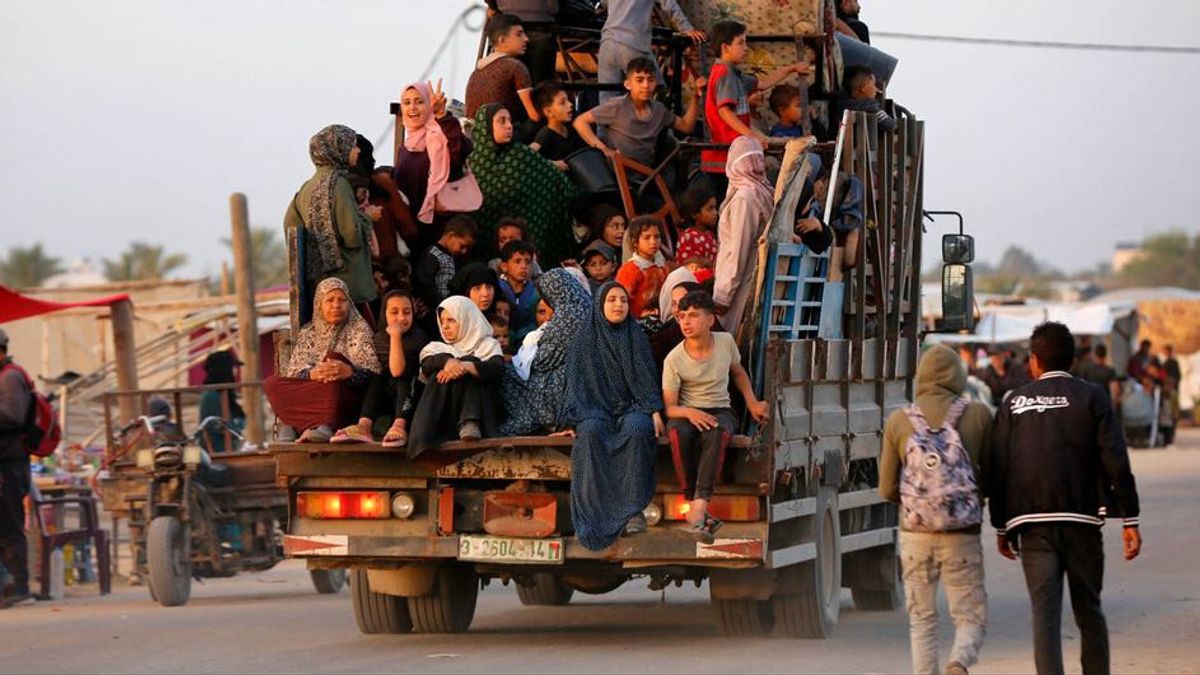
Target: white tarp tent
pixel 1005 324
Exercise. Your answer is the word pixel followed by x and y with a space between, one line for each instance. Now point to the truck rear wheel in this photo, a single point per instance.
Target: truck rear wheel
pixel 376 613
pixel 169 560
pixel 813 590
pixel 743 617
pixel 879 587
pixel 544 589
pixel 450 607
pixel 328 582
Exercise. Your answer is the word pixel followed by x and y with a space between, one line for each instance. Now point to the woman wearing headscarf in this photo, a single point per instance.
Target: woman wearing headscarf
pixel 478 282
pixel 331 364
pixel 535 405
pixel 614 399
pixel 745 215
pixel 219 368
pixel 461 373
pixel 515 180
pixel 434 154
pixel 335 234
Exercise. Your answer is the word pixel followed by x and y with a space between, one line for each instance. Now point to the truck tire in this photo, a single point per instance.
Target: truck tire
pixel 544 589
pixel 451 606
pixel 809 608
pixel 169 561
pixel 376 613
pixel 593 585
pixel 885 592
pixel 328 582
pixel 744 617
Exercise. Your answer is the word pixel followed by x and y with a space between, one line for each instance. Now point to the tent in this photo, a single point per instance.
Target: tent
pixel 14 306
pixel 1007 324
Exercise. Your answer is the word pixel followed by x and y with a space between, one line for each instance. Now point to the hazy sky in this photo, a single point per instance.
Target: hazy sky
pixel 135 120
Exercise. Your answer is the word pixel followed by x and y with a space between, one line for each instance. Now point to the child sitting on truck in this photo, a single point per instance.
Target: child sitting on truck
pixel 512 229
pixel 516 284
pixel 785 102
pixel 461 373
pixel 696 393
pixel 862 90
pixel 642 276
pixel 558 138
pixel 500 77
pixel 698 240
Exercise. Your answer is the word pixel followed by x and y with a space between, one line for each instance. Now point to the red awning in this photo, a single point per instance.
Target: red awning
pixel 14 306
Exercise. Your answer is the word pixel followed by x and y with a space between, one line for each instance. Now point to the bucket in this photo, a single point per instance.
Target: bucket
pixel 591 171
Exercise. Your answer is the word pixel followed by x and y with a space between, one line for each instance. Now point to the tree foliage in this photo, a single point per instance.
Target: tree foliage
pixel 142 261
pixel 268 257
pixel 1170 259
pixel 28 267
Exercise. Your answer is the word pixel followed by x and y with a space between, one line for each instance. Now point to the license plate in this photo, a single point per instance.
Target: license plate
pixel 510 549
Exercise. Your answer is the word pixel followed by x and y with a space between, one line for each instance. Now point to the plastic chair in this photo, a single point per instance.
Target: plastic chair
pixel 89 530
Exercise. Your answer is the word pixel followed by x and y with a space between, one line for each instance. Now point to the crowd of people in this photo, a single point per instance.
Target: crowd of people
pixel 476 288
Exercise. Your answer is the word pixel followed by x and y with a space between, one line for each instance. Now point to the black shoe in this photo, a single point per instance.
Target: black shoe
pixel 635 525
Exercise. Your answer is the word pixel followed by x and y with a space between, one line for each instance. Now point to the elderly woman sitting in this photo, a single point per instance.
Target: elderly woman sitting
pixel 331 364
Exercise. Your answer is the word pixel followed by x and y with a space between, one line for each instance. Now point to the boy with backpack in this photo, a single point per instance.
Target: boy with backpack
pixel 931 465
pixel 15 401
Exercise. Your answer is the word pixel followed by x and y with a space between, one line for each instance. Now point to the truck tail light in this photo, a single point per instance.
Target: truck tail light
pixel 734 508
pixel 340 505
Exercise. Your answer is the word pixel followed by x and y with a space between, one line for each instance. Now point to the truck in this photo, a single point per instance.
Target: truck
pixel 833 351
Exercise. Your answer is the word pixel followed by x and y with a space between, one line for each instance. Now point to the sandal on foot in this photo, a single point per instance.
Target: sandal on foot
pixel 396 437
pixel 320 434
pixel 352 434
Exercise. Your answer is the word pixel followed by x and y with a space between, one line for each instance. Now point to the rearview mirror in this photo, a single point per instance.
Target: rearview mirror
pixel 958 298
pixel 958 249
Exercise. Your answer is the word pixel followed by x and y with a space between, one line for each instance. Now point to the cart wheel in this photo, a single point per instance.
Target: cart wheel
pixel 328 581
pixel 377 613
pixel 811 611
pixel 544 589
pixel 169 559
pixel 450 606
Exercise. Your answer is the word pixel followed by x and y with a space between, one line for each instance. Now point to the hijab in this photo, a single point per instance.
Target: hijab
pixel 352 338
pixel 570 301
pixel 431 140
pixel 681 275
pixel 611 368
pixel 747 172
pixel 474 332
pixel 330 150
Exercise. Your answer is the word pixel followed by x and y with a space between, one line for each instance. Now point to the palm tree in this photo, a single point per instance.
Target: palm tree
pixel 28 267
pixel 268 257
pixel 143 261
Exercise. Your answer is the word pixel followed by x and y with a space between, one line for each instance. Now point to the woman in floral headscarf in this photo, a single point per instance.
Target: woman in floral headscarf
pixel 745 215
pixel 323 218
pixel 331 364
pixel 535 405
pixel 516 181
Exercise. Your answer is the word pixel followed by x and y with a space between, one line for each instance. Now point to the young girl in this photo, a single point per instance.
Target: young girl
pixel 699 240
pixel 642 276
pixel 478 282
pixel 608 230
pixel 395 391
pixel 461 374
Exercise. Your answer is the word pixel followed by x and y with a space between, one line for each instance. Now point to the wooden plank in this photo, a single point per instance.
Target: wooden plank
pixel 247 316
pixel 869 539
pixel 792 555
pixel 795 508
pixel 125 348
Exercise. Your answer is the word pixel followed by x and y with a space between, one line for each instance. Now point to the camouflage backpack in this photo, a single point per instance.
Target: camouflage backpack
pixel 938 492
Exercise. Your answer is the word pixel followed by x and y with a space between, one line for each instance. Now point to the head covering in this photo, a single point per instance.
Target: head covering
pixel 570 301
pixel 158 406
pixel 218 367
pixel 941 371
pixel 747 171
pixel 474 274
pixel 474 332
pixel 352 338
pixel 489 129
pixel 431 140
pixel 681 275
pixel 611 367
pixel 516 180
pixel 330 150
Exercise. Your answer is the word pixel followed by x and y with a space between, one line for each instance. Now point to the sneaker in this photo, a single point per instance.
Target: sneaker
pixel 469 431
pixel 635 525
pixel 320 434
pixel 956 668
pixel 352 434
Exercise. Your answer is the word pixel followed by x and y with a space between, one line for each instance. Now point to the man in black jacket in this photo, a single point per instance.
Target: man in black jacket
pixel 14 477
pixel 1057 457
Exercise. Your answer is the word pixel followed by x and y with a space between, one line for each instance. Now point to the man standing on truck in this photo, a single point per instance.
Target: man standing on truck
pixel 1058 456
pixel 15 400
pixel 931 458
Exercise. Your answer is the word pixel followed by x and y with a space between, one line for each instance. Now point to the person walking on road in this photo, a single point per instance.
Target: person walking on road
pixel 15 400
pixel 1057 457
pixel 930 463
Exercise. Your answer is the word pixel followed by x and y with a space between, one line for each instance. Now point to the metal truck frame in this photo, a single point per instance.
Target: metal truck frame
pixel 833 354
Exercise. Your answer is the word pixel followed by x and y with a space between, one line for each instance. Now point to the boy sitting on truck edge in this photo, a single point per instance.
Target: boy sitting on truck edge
pixel 633 123
pixel 437 265
pixel 516 264
pixel 862 90
pixel 726 105
pixel 500 77
pixel 558 138
pixel 785 102
pixel 696 393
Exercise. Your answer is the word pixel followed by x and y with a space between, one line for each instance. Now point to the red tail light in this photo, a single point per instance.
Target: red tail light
pixel 734 508
pixel 339 505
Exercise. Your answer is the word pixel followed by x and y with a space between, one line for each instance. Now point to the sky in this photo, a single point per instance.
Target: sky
pixel 134 120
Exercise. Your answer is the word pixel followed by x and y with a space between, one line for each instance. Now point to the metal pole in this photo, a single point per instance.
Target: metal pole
pixel 243 275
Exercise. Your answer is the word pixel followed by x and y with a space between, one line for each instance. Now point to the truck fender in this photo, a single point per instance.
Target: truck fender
pixel 413 579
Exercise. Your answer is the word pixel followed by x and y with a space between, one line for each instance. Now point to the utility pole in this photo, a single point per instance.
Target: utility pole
pixel 247 315
pixel 125 356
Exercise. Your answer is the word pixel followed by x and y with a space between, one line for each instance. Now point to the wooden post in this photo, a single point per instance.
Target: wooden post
pixel 125 357
pixel 243 277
